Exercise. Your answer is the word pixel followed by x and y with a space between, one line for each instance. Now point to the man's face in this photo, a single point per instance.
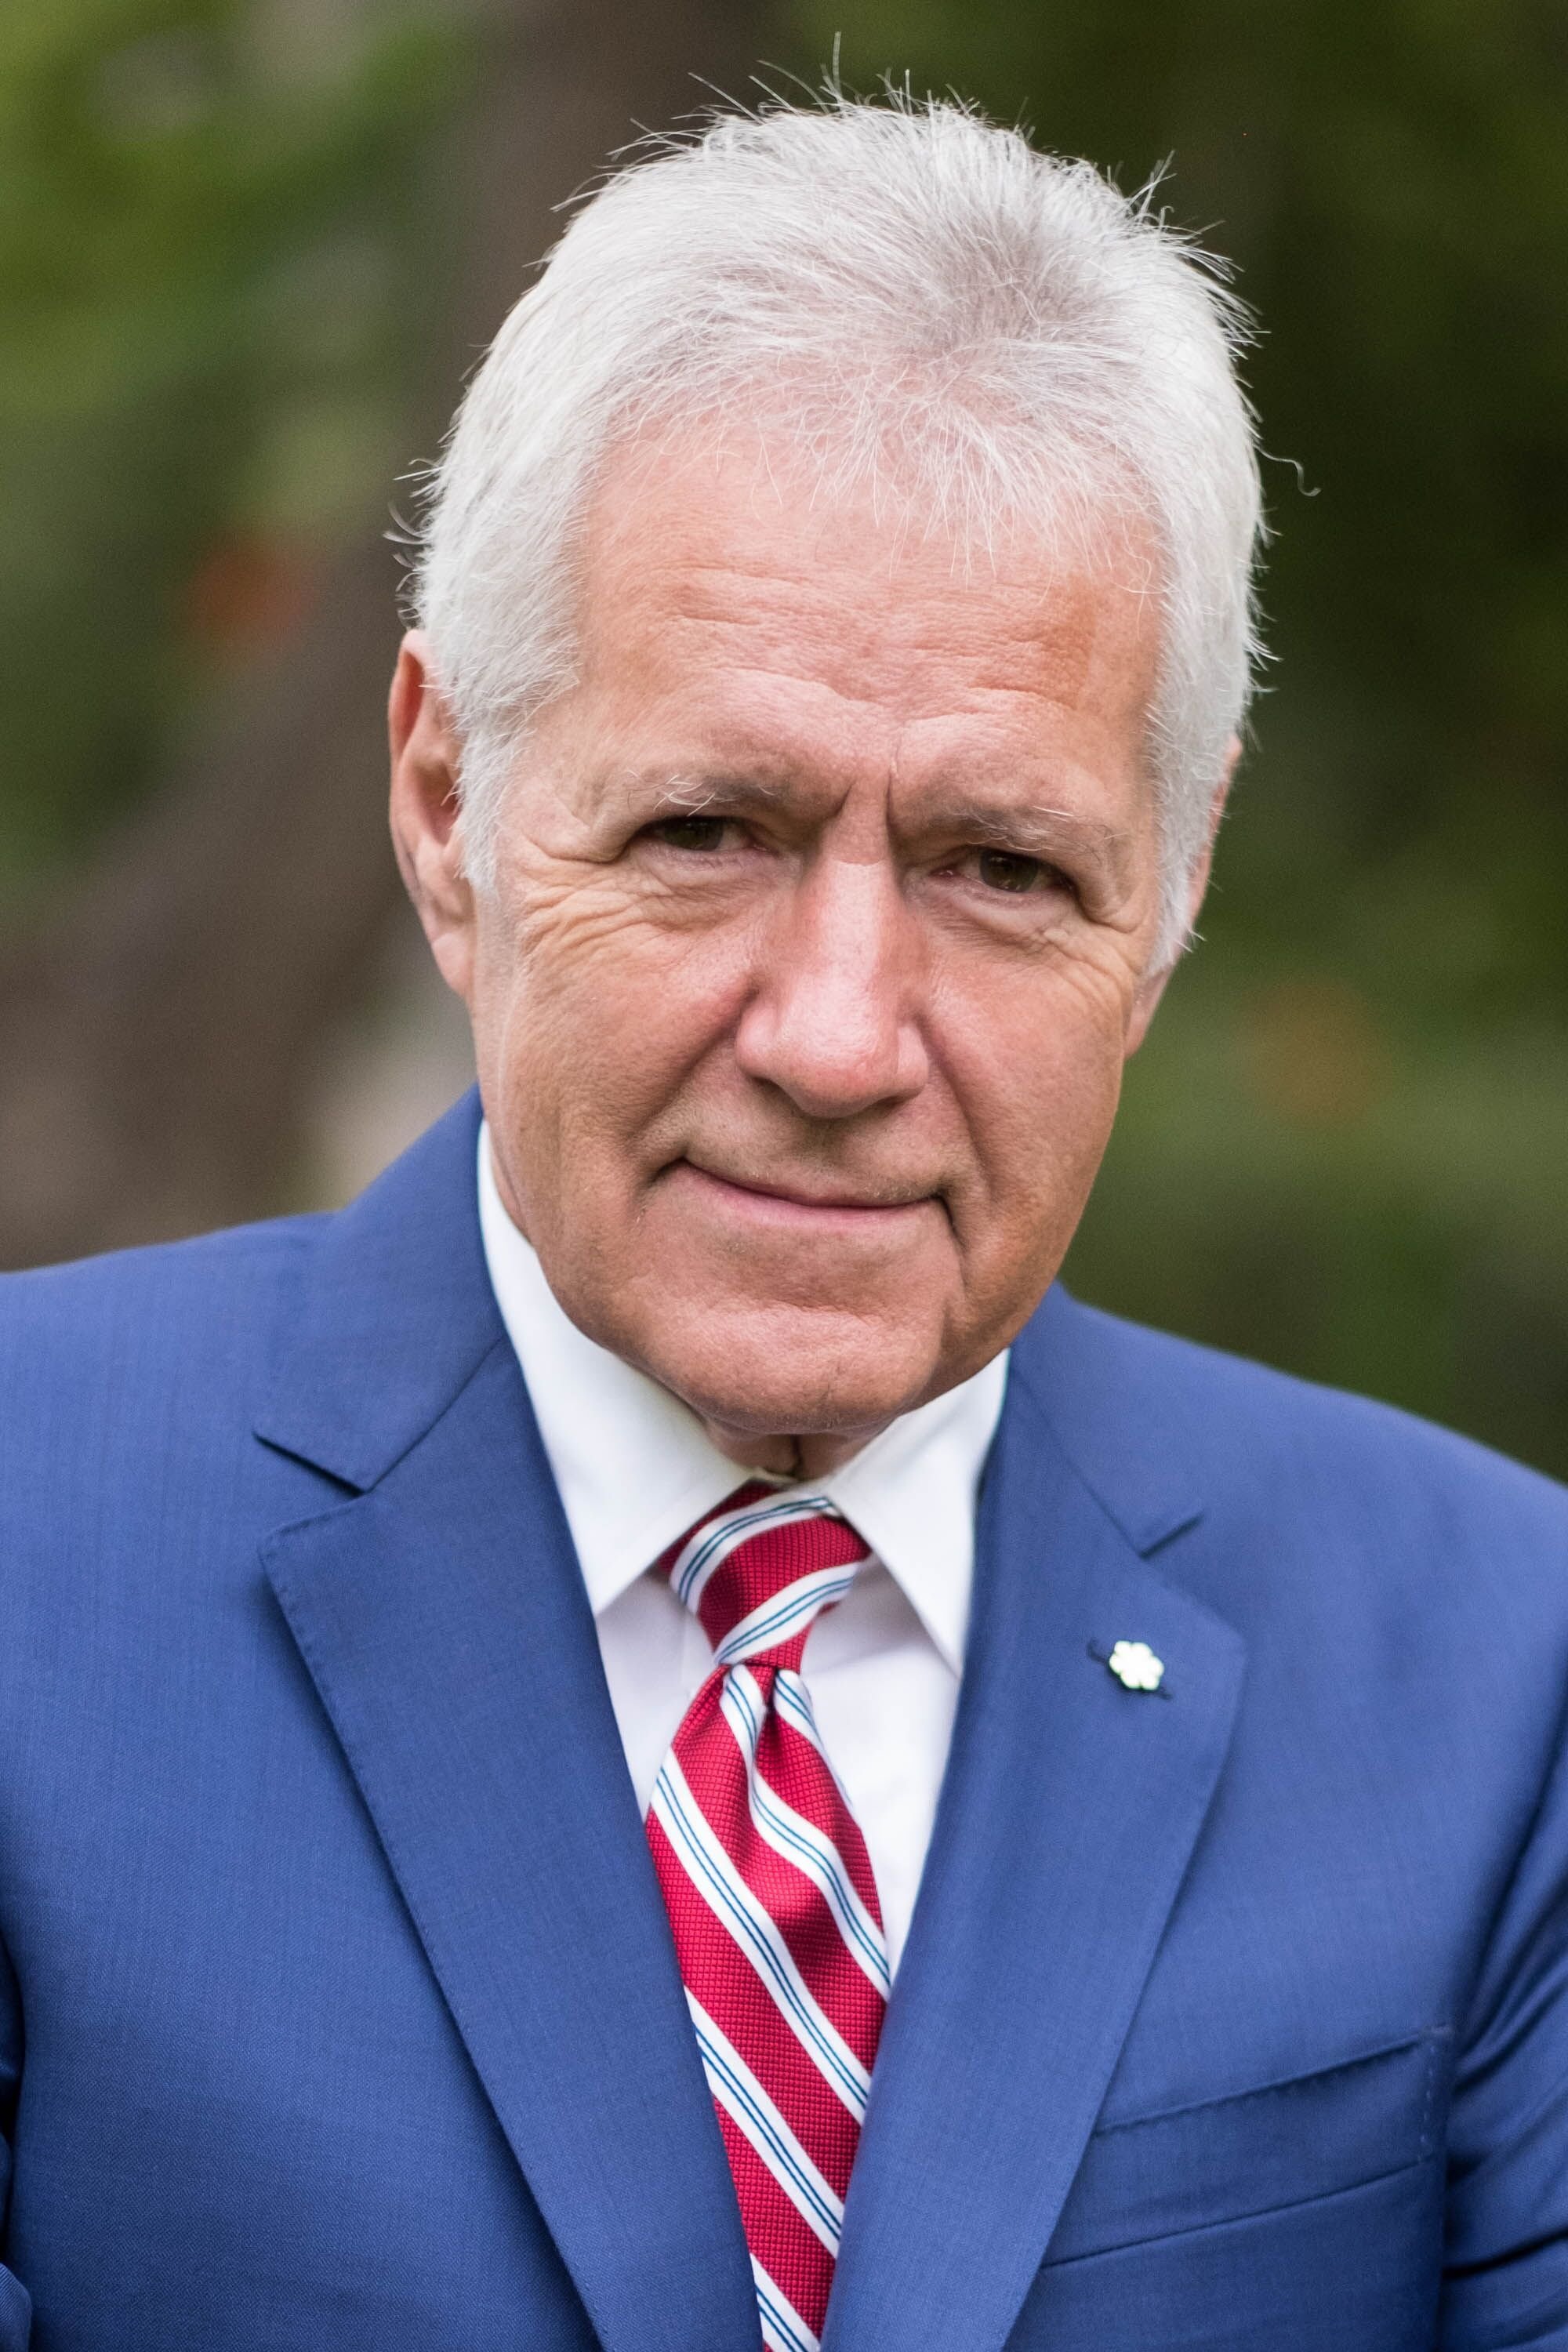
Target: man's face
pixel 824 909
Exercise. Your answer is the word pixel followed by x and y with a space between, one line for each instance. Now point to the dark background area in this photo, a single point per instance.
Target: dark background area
pixel 247 254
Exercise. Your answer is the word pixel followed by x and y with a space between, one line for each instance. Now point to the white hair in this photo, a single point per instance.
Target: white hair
pixel 922 296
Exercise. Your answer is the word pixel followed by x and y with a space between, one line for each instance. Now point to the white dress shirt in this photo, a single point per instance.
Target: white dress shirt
pixel 634 1468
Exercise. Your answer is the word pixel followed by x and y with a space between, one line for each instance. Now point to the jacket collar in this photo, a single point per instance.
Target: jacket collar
pixel 1106 1391
pixel 392 1310
pixel 390 1313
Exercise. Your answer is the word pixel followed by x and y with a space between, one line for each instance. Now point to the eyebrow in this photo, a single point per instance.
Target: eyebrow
pixel 1052 834
pixel 687 795
pixel 1048 834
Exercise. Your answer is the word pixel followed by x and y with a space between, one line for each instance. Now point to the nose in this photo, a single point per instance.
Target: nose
pixel 832 1021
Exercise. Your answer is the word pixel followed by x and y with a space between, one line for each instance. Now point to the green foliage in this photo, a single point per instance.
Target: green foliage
pixel 1345 1148
pixel 206 224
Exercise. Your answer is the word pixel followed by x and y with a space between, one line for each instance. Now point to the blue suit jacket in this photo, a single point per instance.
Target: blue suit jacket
pixel 338 2012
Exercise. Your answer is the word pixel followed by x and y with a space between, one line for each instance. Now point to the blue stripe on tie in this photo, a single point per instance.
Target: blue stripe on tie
pixel 769 1630
pixel 750 1937
pixel 822 1856
pixel 797 1703
pixel 729 1533
pixel 717 2065
pixel 785 2322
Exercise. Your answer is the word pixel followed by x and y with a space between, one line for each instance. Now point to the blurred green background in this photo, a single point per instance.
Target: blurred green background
pixel 246 254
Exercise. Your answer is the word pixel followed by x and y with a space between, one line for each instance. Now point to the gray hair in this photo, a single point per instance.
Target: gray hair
pixel 927 299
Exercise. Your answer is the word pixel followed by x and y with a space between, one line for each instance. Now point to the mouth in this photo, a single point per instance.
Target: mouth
pixel 818 1209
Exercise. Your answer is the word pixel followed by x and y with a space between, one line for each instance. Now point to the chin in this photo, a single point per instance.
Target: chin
pixel 790 1371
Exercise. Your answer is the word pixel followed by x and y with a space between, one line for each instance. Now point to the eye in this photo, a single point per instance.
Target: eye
pixel 1004 869
pixel 701 835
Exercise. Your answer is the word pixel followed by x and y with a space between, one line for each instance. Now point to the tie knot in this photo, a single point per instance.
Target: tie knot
pixel 758 1571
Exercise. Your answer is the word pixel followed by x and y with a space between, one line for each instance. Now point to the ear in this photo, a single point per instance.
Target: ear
pixel 1152 987
pixel 426 833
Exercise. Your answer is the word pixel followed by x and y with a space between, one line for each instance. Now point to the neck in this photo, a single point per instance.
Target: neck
pixel 817 1455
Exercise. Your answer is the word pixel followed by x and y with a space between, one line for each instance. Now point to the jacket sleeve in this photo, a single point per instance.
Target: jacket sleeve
pixel 16 2304
pixel 1506 2254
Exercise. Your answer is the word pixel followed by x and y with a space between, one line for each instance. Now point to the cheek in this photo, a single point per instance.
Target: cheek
pixel 1034 1063
pixel 590 1018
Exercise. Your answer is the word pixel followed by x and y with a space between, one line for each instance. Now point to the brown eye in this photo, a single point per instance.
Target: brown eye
pixel 1001 869
pixel 699 834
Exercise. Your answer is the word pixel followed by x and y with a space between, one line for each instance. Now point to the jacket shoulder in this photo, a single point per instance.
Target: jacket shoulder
pixel 1137 1406
pixel 119 1328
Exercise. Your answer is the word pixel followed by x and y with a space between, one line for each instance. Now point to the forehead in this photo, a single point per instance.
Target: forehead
pixel 727 573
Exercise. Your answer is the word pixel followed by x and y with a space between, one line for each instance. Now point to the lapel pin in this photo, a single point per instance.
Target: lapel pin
pixel 1135 1666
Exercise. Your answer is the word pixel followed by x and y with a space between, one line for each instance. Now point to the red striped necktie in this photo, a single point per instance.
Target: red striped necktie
pixel 770 1893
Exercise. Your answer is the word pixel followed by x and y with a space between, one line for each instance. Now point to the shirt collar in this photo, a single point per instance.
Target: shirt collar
pixel 634 1466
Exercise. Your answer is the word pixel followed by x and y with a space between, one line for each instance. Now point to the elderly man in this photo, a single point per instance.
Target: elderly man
pixel 630 1742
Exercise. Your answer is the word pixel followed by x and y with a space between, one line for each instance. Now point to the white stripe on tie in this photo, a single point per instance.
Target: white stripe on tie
pixel 791 1700
pixel 795 1839
pixel 768 1888
pixel 750 2109
pixel 713 1544
pixel 755 1932
pixel 784 2329
pixel 775 1620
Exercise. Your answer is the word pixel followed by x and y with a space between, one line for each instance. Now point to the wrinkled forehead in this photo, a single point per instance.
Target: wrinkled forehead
pixel 737 553
pixel 976 488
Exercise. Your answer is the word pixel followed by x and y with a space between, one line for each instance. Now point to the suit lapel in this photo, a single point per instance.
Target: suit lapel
pixel 1068 1815
pixel 441 1615
pixel 442 1618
